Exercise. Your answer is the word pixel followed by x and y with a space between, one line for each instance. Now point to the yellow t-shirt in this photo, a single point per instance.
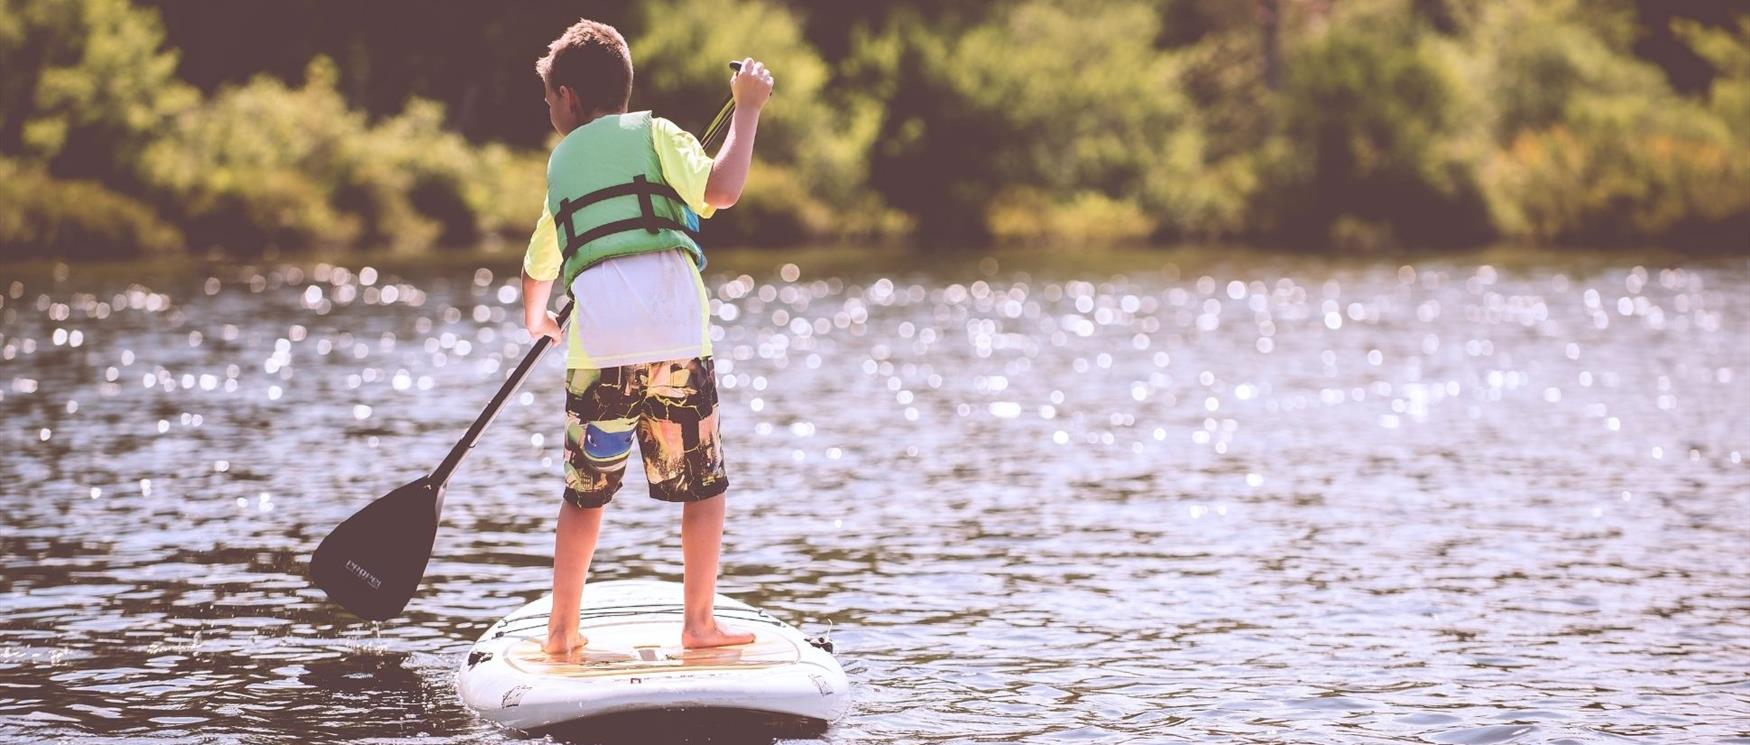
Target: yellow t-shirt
pixel 646 307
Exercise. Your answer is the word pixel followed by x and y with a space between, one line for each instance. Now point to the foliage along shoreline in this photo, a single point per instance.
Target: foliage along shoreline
pixel 1359 126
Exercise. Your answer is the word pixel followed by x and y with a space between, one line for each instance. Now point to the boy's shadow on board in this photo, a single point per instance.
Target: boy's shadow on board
pixel 677 726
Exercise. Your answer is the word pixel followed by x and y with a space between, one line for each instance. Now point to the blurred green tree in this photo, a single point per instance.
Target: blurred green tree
pixel 42 216
pixel 811 172
pixel 1364 157
pixel 1360 124
pixel 1594 145
pixel 268 165
pixel 1047 119
pixel 86 87
pixel 1727 50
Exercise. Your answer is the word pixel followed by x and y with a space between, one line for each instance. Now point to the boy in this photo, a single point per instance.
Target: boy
pixel 623 190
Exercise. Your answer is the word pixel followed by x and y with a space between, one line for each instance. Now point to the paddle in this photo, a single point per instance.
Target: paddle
pixel 372 563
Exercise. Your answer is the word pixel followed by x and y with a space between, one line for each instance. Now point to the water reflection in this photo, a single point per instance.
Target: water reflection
pixel 1102 497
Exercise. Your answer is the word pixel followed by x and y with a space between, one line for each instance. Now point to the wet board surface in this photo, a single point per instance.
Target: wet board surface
pixel 636 649
pixel 634 661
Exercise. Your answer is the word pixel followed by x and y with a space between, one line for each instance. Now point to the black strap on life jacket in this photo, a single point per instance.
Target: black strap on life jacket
pixel 647 220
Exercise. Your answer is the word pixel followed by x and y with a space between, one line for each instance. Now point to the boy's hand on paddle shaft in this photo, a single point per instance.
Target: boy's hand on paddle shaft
pixel 752 85
pixel 547 325
pixel 536 318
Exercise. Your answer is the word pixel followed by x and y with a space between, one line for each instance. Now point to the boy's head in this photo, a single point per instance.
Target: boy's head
pixel 588 73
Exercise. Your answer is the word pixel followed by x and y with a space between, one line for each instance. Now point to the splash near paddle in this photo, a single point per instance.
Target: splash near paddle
pixel 634 663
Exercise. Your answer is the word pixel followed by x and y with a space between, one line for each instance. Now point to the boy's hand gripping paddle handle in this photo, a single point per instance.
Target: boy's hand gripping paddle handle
pixel 720 123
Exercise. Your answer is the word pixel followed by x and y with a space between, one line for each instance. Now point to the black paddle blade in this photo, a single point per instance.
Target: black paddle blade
pixel 372 563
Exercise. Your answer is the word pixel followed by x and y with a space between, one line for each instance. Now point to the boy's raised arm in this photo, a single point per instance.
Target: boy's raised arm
pixel 752 86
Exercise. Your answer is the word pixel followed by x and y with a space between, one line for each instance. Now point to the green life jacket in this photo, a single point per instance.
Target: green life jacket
pixel 608 198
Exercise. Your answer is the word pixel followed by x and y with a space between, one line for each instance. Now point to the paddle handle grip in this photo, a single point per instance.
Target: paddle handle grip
pixel 442 474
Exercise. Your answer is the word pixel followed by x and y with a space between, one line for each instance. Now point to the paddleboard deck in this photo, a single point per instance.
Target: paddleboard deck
pixel 634 662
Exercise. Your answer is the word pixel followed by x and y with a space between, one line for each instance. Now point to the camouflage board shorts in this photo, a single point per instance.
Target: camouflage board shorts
pixel 670 407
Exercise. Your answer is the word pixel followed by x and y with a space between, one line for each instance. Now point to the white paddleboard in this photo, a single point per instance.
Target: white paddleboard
pixel 634 662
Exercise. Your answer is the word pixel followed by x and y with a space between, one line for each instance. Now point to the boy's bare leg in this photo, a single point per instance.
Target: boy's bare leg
pixel 573 546
pixel 701 543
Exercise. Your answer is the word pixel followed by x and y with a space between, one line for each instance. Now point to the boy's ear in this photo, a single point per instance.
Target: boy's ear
pixel 568 96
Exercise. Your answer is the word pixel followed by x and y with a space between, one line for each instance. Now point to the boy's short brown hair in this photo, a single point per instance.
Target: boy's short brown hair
pixel 592 60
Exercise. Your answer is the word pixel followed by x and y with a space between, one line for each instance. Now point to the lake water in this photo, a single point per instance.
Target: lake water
pixel 1114 497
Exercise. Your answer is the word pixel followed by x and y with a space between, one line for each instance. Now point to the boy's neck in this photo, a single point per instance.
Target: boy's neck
pixel 594 115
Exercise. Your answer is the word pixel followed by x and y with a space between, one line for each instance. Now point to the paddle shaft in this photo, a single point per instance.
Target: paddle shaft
pixel 720 123
pixel 511 384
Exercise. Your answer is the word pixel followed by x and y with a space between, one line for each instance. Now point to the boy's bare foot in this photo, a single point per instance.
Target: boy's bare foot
pixel 564 648
pixel 713 636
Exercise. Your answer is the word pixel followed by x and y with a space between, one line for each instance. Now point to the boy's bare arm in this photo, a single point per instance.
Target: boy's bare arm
pixel 752 86
pixel 536 293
